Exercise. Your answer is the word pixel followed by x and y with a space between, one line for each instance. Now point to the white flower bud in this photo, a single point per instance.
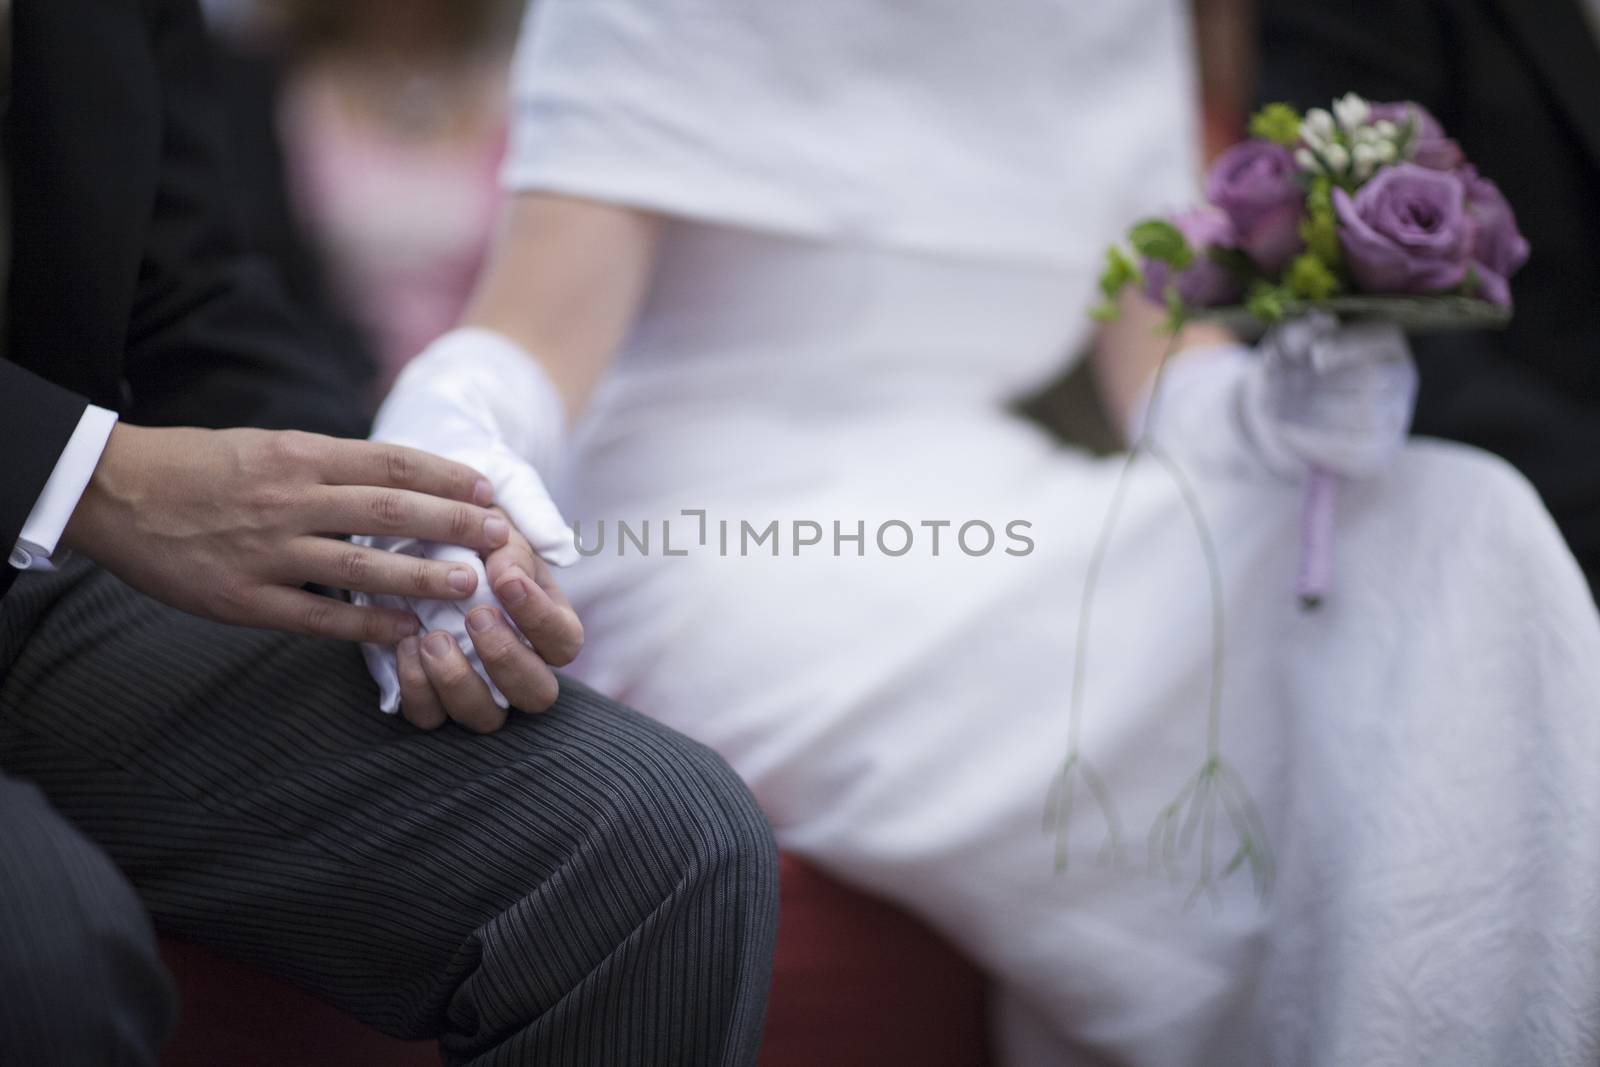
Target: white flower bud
pixel 1365 155
pixel 1386 129
pixel 1320 123
pixel 1351 110
pixel 1388 152
pixel 1307 161
pixel 1337 157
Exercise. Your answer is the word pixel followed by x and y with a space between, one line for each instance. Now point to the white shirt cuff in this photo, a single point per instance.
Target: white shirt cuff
pixel 42 531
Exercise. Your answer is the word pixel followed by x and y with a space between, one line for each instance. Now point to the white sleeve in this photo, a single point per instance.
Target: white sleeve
pixel 42 530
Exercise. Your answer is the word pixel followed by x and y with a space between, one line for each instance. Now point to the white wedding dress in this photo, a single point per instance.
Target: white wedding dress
pixel 887 220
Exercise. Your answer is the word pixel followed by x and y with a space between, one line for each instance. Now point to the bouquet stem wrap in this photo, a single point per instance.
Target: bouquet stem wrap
pixel 1316 537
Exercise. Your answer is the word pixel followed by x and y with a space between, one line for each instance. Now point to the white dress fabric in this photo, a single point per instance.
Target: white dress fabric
pixel 887 218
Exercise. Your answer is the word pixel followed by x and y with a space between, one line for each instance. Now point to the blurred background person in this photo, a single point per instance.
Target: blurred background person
pixel 1517 84
pixel 370 134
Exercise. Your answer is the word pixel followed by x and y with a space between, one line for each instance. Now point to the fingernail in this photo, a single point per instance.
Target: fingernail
pixel 462 580
pixel 480 619
pixel 496 530
pixel 408 647
pixel 514 589
pixel 437 644
pixel 405 627
pixel 483 493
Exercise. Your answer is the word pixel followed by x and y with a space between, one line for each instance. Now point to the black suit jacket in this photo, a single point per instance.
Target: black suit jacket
pixel 130 286
pixel 1517 83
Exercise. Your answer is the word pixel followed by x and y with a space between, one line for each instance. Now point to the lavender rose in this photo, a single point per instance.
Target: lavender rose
pixel 1498 247
pixel 1205 283
pixel 1406 231
pixel 1255 183
pixel 1429 146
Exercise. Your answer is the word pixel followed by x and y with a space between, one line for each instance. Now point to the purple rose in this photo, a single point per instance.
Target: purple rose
pixel 1429 146
pixel 1406 231
pixel 1204 283
pixel 1256 184
pixel 1498 247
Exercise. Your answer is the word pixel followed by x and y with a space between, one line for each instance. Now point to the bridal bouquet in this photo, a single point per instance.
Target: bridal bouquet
pixel 1365 210
pixel 1362 212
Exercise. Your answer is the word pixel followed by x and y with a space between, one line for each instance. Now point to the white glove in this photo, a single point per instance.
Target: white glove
pixel 1315 402
pixel 477 398
pixel 1335 397
pixel 1314 395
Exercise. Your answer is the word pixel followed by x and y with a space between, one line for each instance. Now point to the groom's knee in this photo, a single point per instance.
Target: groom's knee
pixel 80 977
pixel 666 855
pixel 670 816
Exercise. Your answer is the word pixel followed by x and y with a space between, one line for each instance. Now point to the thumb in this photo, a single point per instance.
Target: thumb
pixel 522 494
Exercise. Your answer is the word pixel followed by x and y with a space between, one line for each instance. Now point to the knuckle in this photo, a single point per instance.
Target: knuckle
pixel 318 617
pixel 355 566
pixel 412 676
pixel 230 599
pixel 463 523
pixel 426 577
pixel 375 627
pixel 390 509
pixel 453 673
pixel 538 615
pixel 569 643
pixel 497 646
pixel 399 465
pixel 292 447
pixel 275 498
pixel 559 633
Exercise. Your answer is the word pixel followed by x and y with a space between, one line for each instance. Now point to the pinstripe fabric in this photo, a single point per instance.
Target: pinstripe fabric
pixel 72 934
pixel 583 887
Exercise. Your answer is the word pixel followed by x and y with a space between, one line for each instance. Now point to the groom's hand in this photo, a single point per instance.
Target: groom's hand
pixel 531 629
pixel 229 524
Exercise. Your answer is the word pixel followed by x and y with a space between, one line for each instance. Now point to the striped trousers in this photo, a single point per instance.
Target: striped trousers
pixel 583 887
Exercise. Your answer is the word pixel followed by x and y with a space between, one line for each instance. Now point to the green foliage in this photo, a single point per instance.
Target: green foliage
pixel 1320 228
pixel 1121 271
pixel 1278 123
pixel 1310 278
pixel 1161 241
pixel 1267 302
pixel 1235 261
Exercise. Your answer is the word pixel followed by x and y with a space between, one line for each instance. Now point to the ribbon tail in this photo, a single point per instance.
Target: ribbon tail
pixel 1316 537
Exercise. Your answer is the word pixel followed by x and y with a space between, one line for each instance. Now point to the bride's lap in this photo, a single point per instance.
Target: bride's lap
pixel 796 664
pixel 1445 531
pixel 902 721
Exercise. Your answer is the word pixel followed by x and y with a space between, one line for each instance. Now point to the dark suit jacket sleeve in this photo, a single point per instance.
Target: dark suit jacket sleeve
pixel 212 339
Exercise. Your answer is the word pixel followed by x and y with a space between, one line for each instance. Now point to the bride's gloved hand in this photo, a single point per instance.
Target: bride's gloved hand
pixel 1314 395
pixel 476 397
